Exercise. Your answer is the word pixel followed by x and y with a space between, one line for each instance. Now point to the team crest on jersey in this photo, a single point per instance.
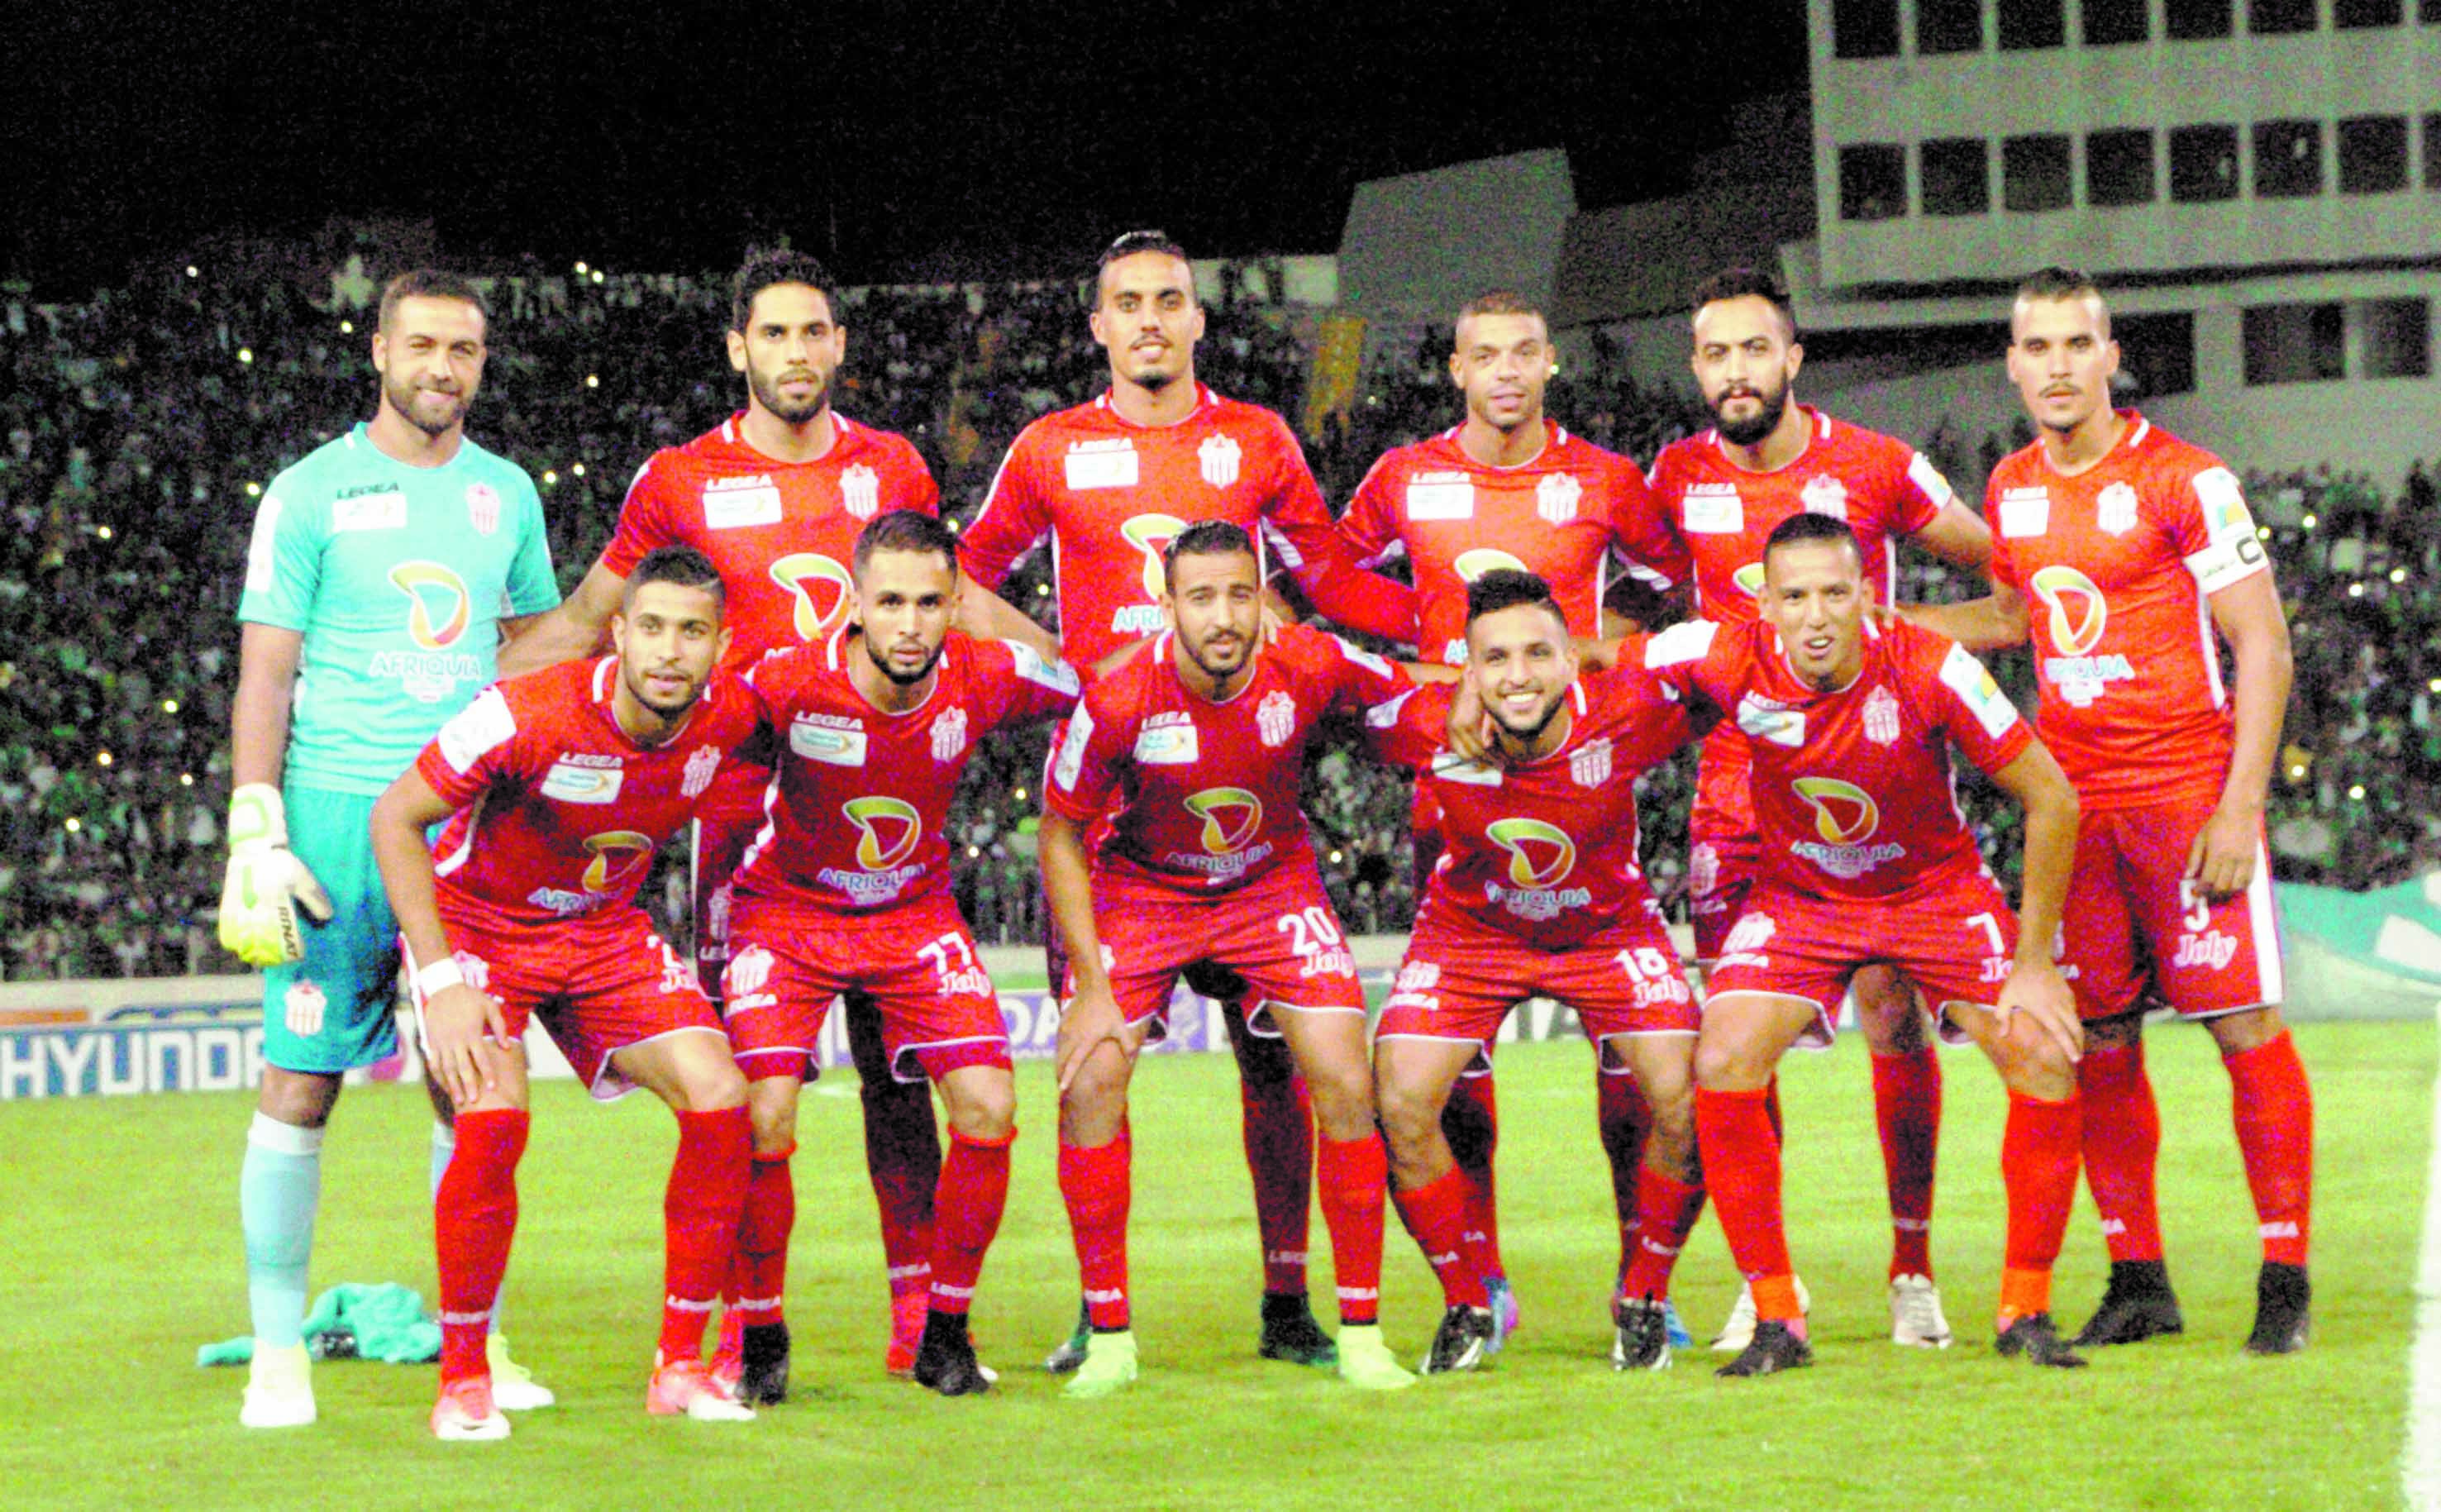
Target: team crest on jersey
pixel 1881 717
pixel 1217 457
pixel 948 734
pixel 1555 498
pixel 1589 764
pixel 483 508
pixel 301 1007
pixel 700 768
pixel 1275 718
pixel 861 491
pixel 1824 494
pixel 2114 509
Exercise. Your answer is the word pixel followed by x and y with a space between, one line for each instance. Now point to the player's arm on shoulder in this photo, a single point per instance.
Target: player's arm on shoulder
pixel 578 626
pixel 1957 535
pixel 986 616
pixel 2248 615
pixel 2035 986
pixel 1997 621
pixel 456 1017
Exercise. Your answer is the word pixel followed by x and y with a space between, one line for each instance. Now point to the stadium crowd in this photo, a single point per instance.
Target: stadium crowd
pixel 141 427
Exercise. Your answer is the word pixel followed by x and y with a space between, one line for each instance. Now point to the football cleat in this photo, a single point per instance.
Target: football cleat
pixel 1504 1317
pixel 1916 1317
pixel 945 1359
pixel 1290 1333
pixel 1679 1338
pixel 2283 1305
pixel 762 1365
pixel 466 1414
pixel 1109 1365
pixel 279 1388
pixel 685 1386
pixel 2138 1304
pixel 2035 1337
pixel 1642 1338
pixel 1774 1347
pixel 514 1387
pixel 1736 1331
pixel 1365 1361
pixel 1462 1343
pixel 1071 1352
pixel 908 1310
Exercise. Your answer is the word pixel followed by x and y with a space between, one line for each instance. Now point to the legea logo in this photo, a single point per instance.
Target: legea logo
pixel 619 859
pixel 1230 815
pixel 1540 855
pixel 1474 564
pixel 1152 535
pixel 822 588
pixel 429 586
pixel 1749 579
pixel 2078 610
pixel 1844 815
pixel 887 830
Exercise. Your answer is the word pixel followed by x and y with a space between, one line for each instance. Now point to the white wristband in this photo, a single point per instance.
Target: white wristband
pixel 442 974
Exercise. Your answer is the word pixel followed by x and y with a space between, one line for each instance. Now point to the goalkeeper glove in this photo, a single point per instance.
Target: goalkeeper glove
pixel 266 883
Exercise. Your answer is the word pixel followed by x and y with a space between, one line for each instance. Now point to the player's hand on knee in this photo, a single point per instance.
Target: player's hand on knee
pixel 2038 992
pixel 457 1022
pixel 266 886
pixel 2221 861
pixel 1090 1019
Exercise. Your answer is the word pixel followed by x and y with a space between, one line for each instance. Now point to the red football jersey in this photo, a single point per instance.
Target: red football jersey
pixel 1854 794
pixel 1545 853
pixel 560 812
pixel 1203 796
pixel 1881 486
pixel 1110 495
pixel 857 816
pixel 782 534
pixel 2116 564
pixel 1570 517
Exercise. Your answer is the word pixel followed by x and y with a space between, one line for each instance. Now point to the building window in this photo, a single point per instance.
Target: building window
pixel 2034 174
pixel 2429 12
pixel 2110 23
pixel 2028 23
pixel 2195 20
pixel 2398 338
pixel 2266 18
pixel 1864 28
pixel 2432 153
pixel 1948 25
pixel 2294 343
pixel 1872 182
pixel 1957 179
pixel 2373 155
pixel 2118 168
pixel 2351 15
pixel 2287 158
pixel 2203 163
pixel 2159 352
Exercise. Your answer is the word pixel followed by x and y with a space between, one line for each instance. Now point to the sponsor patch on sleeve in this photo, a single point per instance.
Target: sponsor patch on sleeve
pixel 1973 684
pixel 1072 750
pixel 2235 551
pixel 480 727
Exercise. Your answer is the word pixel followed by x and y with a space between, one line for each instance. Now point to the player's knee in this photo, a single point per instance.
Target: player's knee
pixel 301 1099
pixel 771 1110
pixel 983 1114
pixel 1409 1118
pixel 1343 1099
pixel 715 1085
pixel 2236 1033
pixel 1729 1061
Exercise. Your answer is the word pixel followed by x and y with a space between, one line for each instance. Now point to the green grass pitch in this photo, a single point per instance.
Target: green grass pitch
pixel 123 1255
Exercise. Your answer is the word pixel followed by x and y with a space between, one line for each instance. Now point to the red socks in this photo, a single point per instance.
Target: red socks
pixel 2039 1162
pixel 902 1152
pixel 1278 1125
pixel 473 1216
pixel 973 1193
pixel 1666 1210
pixel 1355 1177
pixel 1741 1155
pixel 1907 1104
pixel 1624 1119
pixel 1471 1121
pixel 1095 1183
pixel 760 1272
pixel 2273 1109
pixel 2123 1141
pixel 1436 1214
pixel 699 1216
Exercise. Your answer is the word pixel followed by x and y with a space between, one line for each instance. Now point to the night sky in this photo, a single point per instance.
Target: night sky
pixel 899 139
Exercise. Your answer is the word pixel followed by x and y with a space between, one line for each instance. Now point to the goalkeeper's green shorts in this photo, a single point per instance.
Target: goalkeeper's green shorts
pixel 335 1010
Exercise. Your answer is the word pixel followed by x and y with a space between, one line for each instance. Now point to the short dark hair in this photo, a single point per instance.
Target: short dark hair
pixel 1498 301
pixel 907 529
pixel 1206 538
pixel 1743 283
pixel 1129 244
pixel 1507 588
pixel 2064 284
pixel 1807 527
pixel 767 267
pixel 429 283
pixel 681 567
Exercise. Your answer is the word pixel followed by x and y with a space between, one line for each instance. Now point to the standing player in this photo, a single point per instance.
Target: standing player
pixel 382 569
pixel 846 890
pixel 1186 762
pixel 1851 729
pixel 559 788
pixel 1507 488
pixel 1539 893
pixel 1108 484
pixel 1766 460
pixel 2135 542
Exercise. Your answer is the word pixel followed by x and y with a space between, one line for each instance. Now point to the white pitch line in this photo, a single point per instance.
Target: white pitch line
pixel 2420 1475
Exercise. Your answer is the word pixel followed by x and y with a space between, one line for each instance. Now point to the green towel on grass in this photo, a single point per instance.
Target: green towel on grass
pixel 385 1323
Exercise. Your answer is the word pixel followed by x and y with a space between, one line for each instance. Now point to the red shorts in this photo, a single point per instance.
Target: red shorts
pixel 725 822
pixel 1955 944
pixel 939 1012
pixel 1278 933
pixel 2132 920
pixel 1460 984
pixel 597 984
pixel 1721 871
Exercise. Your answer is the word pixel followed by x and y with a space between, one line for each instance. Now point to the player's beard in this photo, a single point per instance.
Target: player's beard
pixel 1528 737
pixel 672 712
pixel 400 396
pixel 1773 403
pixel 905 680
pixel 1212 669
pixel 766 393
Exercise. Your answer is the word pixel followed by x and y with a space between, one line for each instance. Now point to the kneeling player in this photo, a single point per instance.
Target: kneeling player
pixel 559 788
pixel 875 726
pixel 1195 749
pixel 1865 859
pixel 1538 894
